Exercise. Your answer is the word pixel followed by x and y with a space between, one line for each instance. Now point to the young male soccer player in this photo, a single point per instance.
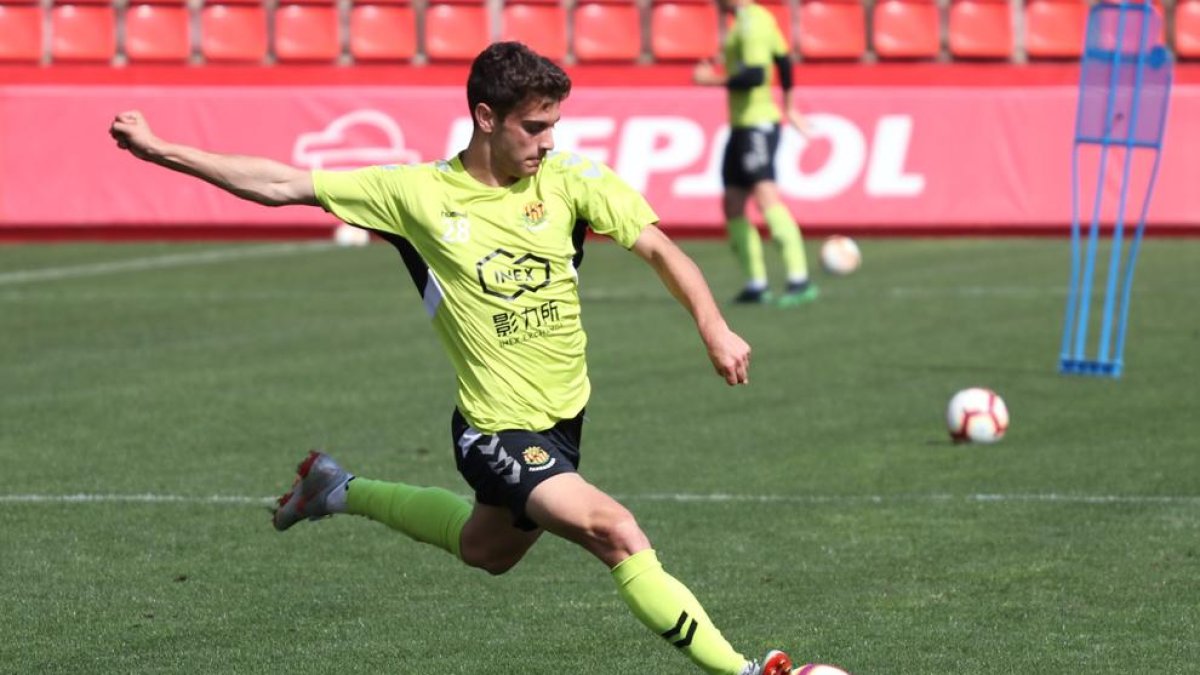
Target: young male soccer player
pixel 752 44
pixel 492 238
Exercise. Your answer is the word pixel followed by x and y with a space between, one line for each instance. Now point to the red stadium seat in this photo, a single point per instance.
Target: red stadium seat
pixel 20 33
pixel 782 11
pixel 832 29
pixel 233 32
pixel 906 29
pixel 157 32
pixel 683 30
pixel 1054 28
pixel 541 24
pixel 1187 29
pixel 307 32
pixel 383 31
pixel 456 31
pixel 981 29
pixel 83 32
pixel 608 30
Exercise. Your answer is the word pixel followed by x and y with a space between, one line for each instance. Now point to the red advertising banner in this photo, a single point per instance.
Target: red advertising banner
pixel 910 157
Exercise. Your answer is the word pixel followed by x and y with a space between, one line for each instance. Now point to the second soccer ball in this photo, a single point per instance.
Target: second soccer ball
pixel 348 235
pixel 840 255
pixel 977 415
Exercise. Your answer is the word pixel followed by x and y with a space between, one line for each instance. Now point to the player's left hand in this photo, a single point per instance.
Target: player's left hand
pixel 705 73
pixel 730 355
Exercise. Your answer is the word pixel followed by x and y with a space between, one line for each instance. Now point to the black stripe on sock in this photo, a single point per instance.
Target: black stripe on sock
pixel 687 639
pixel 684 621
pixel 683 617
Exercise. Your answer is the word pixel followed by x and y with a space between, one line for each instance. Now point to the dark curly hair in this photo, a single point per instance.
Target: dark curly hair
pixel 507 74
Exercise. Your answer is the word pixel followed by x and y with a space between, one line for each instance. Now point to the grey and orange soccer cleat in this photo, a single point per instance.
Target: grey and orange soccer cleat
pixel 774 663
pixel 316 477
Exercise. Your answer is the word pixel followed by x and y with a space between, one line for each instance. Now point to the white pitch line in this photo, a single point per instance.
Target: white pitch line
pixel 158 262
pixel 81 498
pixel 714 498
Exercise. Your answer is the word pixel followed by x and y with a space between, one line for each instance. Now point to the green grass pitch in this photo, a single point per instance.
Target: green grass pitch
pixel 821 509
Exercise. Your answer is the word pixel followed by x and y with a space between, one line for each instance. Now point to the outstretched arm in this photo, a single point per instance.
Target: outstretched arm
pixel 783 66
pixel 256 179
pixel 729 353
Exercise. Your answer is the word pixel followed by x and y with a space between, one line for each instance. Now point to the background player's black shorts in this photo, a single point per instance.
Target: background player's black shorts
pixel 504 468
pixel 750 155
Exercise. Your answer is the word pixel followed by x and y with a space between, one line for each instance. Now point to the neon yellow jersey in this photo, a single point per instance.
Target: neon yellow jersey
pixel 496 267
pixel 753 40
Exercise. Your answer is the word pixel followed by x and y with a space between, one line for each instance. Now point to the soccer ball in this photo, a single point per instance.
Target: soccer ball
pixel 976 415
pixel 840 255
pixel 348 235
pixel 819 669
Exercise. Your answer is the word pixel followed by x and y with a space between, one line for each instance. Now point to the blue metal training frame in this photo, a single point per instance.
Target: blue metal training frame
pixel 1124 90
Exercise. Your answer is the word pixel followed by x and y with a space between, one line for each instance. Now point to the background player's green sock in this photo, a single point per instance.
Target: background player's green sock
pixel 668 608
pixel 427 514
pixel 786 233
pixel 747 246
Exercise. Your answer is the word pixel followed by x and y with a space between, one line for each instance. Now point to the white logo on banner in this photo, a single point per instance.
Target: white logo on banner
pixel 333 147
pixel 648 146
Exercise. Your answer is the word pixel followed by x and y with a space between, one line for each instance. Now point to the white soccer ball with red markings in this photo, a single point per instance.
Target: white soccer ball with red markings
pixel 977 415
pixel 348 235
pixel 840 255
pixel 819 669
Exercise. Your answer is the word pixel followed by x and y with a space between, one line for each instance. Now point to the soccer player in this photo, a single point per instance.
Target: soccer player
pixel 493 240
pixel 752 44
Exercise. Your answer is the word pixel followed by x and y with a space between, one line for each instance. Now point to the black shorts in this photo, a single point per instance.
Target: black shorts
pixel 750 156
pixel 504 468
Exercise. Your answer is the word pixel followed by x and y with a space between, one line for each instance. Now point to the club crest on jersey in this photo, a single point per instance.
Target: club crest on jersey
pixel 534 216
pixel 537 459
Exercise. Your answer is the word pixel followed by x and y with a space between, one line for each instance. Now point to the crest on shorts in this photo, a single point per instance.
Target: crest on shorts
pixel 537 459
pixel 534 216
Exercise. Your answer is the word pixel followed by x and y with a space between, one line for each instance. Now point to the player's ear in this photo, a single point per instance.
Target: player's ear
pixel 485 118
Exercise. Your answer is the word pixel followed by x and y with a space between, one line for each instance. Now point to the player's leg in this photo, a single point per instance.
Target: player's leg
pixel 491 542
pixel 743 236
pixel 784 230
pixel 570 507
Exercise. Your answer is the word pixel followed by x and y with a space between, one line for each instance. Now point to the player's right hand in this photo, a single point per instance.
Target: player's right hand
pixel 730 356
pixel 132 133
pixel 801 123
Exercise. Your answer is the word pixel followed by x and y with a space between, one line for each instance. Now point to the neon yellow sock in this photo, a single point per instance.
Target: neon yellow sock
pixel 747 246
pixel 786 234
pixel 427 514
pixel 668 608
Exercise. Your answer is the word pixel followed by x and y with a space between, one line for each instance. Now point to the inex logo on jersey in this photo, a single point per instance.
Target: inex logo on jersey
pixel 507 276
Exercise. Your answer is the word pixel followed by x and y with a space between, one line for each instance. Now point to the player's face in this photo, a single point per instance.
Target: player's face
pixel 526 135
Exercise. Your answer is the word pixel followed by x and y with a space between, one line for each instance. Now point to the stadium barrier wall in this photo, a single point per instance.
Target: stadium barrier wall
pixel 884 160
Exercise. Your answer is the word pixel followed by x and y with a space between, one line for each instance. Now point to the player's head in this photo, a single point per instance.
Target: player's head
pixel 729 6
pixel 514 95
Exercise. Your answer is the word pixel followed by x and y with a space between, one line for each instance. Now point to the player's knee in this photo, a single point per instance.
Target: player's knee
pixel 498 566
pixel 619 531
pixel 484 554
pixel 492 562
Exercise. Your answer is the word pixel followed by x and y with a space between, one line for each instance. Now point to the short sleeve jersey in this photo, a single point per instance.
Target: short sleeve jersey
pixel 754 40
pixel 497 271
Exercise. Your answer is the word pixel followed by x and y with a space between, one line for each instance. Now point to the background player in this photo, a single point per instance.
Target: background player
pixel 752 45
